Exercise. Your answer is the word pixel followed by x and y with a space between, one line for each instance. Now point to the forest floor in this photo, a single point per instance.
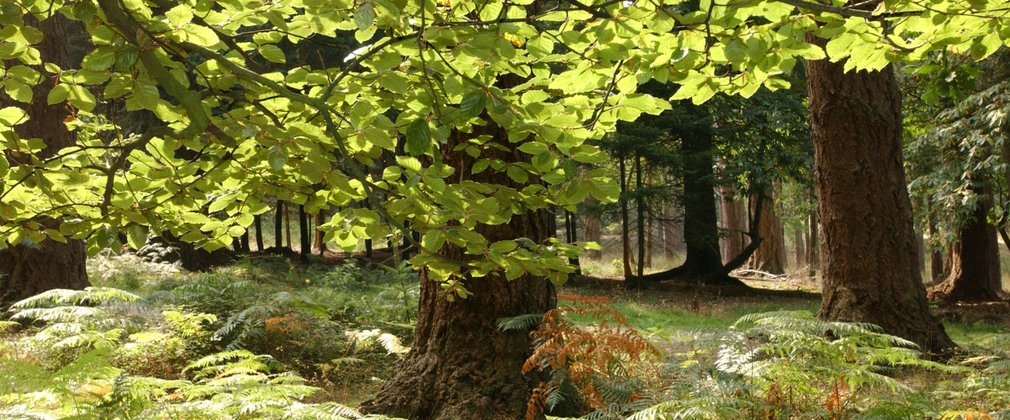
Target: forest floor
pixel 342 326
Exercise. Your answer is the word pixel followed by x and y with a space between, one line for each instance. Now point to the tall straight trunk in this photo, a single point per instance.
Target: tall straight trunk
pixel 26 270
pixel 734 222
pixel 591 225
pixel 279 225
pixel 936 263
pixel 461 366
pixel 258 224
pixel 318 238
pixel 640 215
pixel 869 267
pixel 974 270
pixel 287 228
pixel 573 236
pixel 813 244
pixel 799 248
pixel 244 240
pixel 304 236
pixel 770 256
pixel 625 234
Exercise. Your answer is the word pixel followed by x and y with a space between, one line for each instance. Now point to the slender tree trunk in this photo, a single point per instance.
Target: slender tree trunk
pixel 258 223
pixel 279 226
pixel 800 248
pixel 29 269
pixel 625 223
pixel 770 256
pixel 287 228
pixel 640 215
pixel 318 239
pixel 304 235
pixel 461 365
pixel 869 246
pixel 813 244
pixel 591 225
pixel 974 269
pixel 936 264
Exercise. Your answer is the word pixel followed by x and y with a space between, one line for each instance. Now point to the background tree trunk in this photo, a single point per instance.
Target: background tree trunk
pixel 703 262
pixel 870 265
pixel 813 244
pixel 461 366
pixel 801 250
pixel 770 255
pixel 258 223
pixel 27 269
pixel 936 263
pixel 279 226
pixel 974 270
pixel 591 225
pixel 672 236
pixel 318 238
pixel 734 222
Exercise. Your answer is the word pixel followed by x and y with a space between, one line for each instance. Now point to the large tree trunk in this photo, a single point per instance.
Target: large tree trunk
pixel 461 366
pixel 974 269
pixel 870 269
pixel 28 269
pixel 703 263
pixel 770 256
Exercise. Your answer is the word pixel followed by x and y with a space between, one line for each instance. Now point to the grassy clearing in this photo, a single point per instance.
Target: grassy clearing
pixel 267 337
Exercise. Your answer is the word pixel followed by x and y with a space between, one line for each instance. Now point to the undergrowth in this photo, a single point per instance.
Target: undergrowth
pixel 263 338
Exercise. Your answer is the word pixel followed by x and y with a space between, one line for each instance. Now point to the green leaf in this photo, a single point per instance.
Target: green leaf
pixel 418 138
pixel 11 116
pixel 517 174
pixel 364 17
pixel 272 53
pixel 433 240
pixel 136 236
pixel 81 98
pixel 472 104
pixel 58 94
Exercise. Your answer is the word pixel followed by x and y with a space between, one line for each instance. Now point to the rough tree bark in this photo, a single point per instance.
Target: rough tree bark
pixel 28 269
pixel 868 244
pixel 461 366
pixel 974 270
pixel 770 256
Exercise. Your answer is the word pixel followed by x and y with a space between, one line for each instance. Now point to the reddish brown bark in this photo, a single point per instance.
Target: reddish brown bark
pixel 870 271
pixel 29 269
pixel 734 221
pixel 770 256
pixel 461 366
pixel 974 270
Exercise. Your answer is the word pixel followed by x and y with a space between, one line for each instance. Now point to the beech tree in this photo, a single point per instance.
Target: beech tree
pixel 34 265
pixel 518 87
